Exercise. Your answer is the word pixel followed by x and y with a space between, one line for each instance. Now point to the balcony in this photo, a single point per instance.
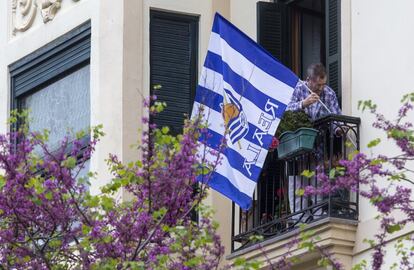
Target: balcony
pixel 277 210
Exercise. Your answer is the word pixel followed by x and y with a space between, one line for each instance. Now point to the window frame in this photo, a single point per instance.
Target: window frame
pixel 60 57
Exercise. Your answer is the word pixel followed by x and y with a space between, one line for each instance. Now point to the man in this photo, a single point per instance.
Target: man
pixel 303 99
pixel 309 102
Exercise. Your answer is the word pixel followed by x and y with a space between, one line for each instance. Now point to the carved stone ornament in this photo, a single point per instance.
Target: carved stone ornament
pixel 24 12
pixel 49 9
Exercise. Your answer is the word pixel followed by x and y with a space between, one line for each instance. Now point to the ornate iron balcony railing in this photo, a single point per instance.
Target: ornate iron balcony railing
pixel 277 208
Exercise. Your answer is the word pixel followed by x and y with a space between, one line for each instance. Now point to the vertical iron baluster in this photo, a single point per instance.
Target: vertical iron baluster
pixel 294 185
pixel 331 144
pixel 232 225
pixel 300 169
pixel 274 190
pixel 255 205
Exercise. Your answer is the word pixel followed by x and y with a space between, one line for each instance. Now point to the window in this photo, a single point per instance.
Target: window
pixel 53 84
pixel 173 65
pixel 297 33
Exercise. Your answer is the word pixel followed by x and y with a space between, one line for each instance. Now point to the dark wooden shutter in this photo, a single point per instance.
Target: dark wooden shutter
pixel 272 34
pixel 173 65
pixel 272 29
pixel 333 45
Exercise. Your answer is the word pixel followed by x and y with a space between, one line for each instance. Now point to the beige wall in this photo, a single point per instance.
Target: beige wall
pixel 382 69
pixel 376 64
pixel 116 64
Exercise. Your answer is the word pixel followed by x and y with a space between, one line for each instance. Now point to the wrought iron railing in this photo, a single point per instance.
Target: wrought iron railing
pixel 277 208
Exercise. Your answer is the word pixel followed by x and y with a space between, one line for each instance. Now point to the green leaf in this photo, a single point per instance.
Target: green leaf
pixel 92 201
pixel 86 229
pixel 156 86
pixel 55 243
pixel 374 143
pixel 256 238
pixel 370 242
pixel 360 266
pixel 193 262
pixel 107 203
pixel 376 199
pixel 308 245
pixel 324 262
pixel 300 192
pixel 165 130
pixel 367 104
pixel 332 173
pixel 107 239
pixel 394 228
pixel 308 174
pixel 49 195
pixel 2 181
pixel 70 163
pixel 375 162
pixel 159 213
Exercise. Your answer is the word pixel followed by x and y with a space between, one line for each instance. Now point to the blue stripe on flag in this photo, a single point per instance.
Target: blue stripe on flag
pixel 241 85
pixel 252 51
pixel 208 98
pixel 212 100
pixel 223 185
pixel 234 158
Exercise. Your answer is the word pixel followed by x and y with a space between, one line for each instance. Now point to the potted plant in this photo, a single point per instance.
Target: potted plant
pixel 295 134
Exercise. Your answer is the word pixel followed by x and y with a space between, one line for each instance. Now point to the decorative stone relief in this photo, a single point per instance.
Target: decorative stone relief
pixel 24 12
pixel 49 9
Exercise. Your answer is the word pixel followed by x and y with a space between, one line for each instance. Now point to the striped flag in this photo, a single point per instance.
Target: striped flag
pixel 244 92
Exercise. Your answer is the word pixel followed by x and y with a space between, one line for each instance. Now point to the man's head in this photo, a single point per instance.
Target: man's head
pixel 316 78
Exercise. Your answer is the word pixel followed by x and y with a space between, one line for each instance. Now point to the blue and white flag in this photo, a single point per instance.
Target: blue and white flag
pixel 244 92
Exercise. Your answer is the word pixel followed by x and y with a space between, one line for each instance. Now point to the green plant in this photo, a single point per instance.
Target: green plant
pixel 291 121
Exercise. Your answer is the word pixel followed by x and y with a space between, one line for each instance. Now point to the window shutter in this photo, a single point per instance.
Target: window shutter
pixel 333 45
pixel 51 62
pixel 173 65
pixel 272 29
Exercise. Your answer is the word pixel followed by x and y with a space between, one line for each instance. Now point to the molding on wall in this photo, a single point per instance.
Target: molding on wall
pixel 24 12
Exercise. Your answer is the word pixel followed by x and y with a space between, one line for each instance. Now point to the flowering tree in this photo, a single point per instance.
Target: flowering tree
pixel 387 182
pixel 49 219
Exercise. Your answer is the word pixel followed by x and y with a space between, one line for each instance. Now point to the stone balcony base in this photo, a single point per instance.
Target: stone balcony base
pixel 333 234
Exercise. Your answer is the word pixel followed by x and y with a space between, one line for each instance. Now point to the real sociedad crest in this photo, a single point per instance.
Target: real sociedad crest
pixel 235 120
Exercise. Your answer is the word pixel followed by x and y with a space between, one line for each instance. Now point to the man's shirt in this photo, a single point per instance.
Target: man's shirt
pixel 315 110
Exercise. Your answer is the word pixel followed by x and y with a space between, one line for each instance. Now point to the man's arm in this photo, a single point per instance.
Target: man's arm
pixel 332 102
pixel 295 102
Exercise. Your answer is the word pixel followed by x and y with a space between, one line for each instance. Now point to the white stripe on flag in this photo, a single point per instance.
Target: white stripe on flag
pixel 243 67
pixel 241 182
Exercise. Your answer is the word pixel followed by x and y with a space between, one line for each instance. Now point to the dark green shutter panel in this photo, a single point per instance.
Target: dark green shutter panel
pixel 333 45
pixel 173 65
pixel 272 31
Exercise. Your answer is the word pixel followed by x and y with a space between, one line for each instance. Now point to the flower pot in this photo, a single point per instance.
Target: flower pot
pixel 297 142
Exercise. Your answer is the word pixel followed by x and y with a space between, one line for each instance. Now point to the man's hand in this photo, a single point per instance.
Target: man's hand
pixel 309 100
pixel 339 131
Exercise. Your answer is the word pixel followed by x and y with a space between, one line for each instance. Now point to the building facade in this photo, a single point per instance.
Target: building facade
pixel 77 63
